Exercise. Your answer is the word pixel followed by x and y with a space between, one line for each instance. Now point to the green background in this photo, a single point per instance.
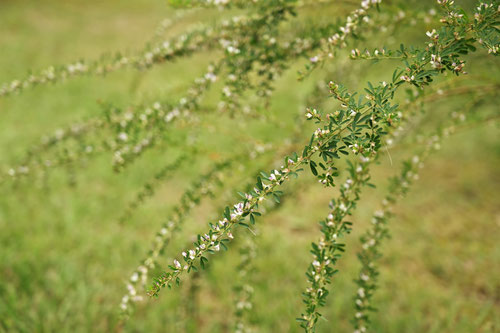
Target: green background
pixel 64 258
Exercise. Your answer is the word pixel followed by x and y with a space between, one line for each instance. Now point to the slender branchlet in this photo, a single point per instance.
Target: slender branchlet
pixel 141 129
pixel 136 129
pixel 243 289
pixel 372 239
pixel 127 133
pixel 338 40
pixel 169 50
pixel 326 251
pixel 329 249
pixel 192 197
pixel 199 190
pixel 328 142
pixel 199 39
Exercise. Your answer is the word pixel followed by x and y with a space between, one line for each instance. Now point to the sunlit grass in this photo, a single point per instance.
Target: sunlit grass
pixel 64 256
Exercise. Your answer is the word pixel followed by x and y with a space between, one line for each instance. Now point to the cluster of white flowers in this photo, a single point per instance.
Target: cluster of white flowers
pixel 327 245
pixel 219 231
pixel 231 46
pixel 218 2
pixel 407 78
pixel 353 21
pixel 432 34
pixel 138 277
pixel 479 16
pixel 311 113
pixel 77 68
pixel 153 118
pixel 202 188
pixel 372 238
pixel 138 148
pixel 167 50
pixel 243 290
pixel 436 61
pixel 136 129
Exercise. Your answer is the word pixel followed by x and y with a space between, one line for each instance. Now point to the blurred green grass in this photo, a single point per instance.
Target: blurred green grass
pixel 64 257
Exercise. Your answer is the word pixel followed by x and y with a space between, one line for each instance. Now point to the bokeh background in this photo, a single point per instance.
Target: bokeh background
pixel 64 258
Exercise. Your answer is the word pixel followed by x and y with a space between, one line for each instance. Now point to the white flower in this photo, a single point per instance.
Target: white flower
pixel 227 91
pixel 123 136
pixel 432 34
pixel 435 61
pixel 137 298
pixel 238 209
pixel 211 77
pixel 177 264
pixel 364 159
pixel 192 254
pixel 131 290
pixel 233 50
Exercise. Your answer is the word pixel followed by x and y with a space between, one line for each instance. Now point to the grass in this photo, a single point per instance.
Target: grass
pixel 64 258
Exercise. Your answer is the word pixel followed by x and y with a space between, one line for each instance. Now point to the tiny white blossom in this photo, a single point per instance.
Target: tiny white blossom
pixel 192 254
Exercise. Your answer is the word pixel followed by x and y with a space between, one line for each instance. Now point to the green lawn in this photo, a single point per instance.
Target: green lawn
pixel 64 258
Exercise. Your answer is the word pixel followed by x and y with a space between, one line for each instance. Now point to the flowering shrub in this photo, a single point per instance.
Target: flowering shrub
pixel 251 48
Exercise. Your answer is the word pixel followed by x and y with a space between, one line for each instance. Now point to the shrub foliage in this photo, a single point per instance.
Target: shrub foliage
pixel 251 47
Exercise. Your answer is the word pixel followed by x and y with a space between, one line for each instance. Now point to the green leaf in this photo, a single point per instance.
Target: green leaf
pixel 203 261
pixel 312 165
